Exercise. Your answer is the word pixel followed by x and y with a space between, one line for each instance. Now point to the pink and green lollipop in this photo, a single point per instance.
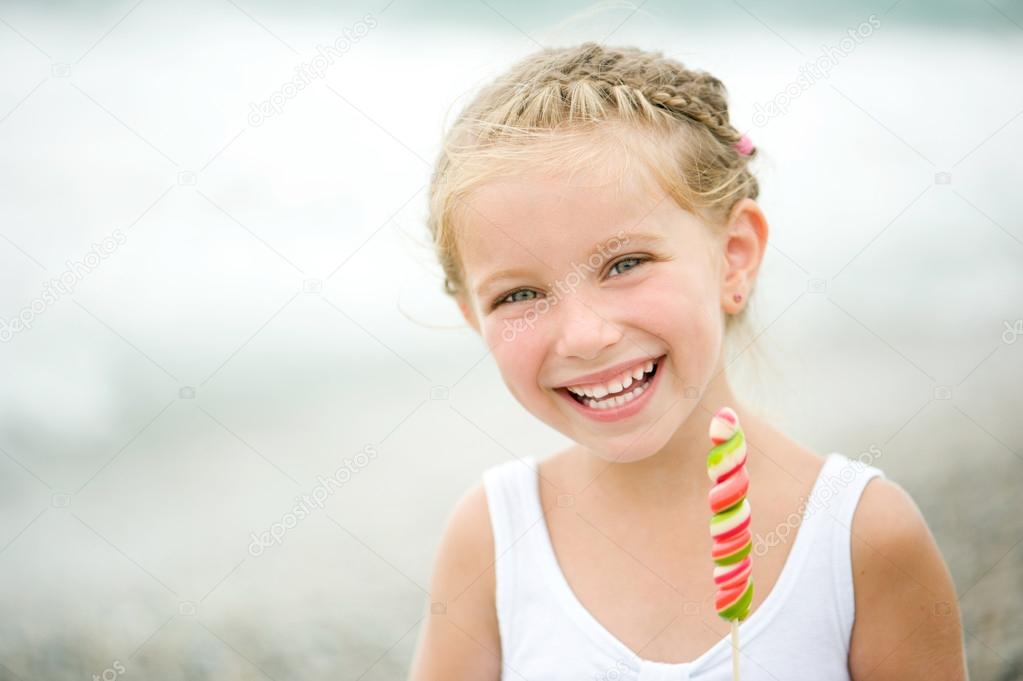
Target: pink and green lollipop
pixel 730 524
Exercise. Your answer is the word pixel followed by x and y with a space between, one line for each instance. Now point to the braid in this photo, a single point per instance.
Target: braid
pixel 664 83
pixel 681 115
pixel 692 106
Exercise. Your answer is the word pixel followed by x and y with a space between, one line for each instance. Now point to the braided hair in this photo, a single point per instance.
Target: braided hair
pixel 555 106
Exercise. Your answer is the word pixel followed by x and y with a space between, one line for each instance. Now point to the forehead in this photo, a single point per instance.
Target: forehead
pixel 536 221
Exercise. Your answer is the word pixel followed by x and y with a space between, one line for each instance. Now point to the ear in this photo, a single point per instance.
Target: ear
pixel 467 312
pixel 744 248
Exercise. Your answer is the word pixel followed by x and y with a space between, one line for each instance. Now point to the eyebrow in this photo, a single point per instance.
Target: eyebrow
pixel 513 272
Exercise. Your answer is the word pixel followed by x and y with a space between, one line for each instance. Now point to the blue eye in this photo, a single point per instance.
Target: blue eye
pixel 623 260
pixel 505 298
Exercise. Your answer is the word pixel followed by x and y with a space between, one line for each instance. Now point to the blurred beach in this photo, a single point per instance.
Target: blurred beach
pixel 249 321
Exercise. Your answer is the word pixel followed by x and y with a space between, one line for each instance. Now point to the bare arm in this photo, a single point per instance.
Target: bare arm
pixel 907 616
pixel 459 638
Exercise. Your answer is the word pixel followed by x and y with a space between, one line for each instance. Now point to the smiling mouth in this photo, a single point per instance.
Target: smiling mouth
pixel 621 397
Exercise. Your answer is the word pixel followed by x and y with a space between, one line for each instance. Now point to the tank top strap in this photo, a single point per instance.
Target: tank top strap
pixel 509 492
pixel 840 495
pixel 515 515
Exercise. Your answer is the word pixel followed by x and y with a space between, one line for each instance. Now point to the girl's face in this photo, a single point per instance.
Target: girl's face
pixel 566 279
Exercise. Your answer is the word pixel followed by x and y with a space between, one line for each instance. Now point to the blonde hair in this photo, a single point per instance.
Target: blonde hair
pixel 573 107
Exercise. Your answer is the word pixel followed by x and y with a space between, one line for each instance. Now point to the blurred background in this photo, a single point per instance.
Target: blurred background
pixel 218 302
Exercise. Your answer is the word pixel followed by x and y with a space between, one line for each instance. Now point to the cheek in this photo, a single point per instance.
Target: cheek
pixel 672 299
pixel 518 351
pixel 681 310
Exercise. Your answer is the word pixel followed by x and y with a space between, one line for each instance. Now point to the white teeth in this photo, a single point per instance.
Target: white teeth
pixel 615 385
pixel 616 401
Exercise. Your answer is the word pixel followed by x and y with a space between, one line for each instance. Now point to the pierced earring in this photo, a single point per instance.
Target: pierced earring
pixel 737 297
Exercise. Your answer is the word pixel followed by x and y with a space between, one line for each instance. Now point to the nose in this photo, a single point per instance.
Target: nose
pixel 584 331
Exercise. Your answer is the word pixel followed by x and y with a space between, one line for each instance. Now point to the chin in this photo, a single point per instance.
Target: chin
pixel 626 449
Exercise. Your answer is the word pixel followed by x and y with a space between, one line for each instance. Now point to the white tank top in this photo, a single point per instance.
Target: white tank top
pixel 547 633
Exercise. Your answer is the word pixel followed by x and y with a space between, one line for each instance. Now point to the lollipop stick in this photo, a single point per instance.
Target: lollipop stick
pixel 735 650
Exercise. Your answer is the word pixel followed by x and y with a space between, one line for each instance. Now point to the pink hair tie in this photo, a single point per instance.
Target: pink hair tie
pixel 744 146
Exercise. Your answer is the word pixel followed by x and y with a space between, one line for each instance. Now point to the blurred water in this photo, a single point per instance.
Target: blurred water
pixel 268 310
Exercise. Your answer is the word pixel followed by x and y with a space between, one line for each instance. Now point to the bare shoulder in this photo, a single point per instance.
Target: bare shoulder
pixel 907 617
pixel 468 542
pixel 459 638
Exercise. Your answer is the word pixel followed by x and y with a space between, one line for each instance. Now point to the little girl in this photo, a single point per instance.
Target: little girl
pixel 595 217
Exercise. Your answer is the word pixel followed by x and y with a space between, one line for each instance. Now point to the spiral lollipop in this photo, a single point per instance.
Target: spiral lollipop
pixel 729 526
